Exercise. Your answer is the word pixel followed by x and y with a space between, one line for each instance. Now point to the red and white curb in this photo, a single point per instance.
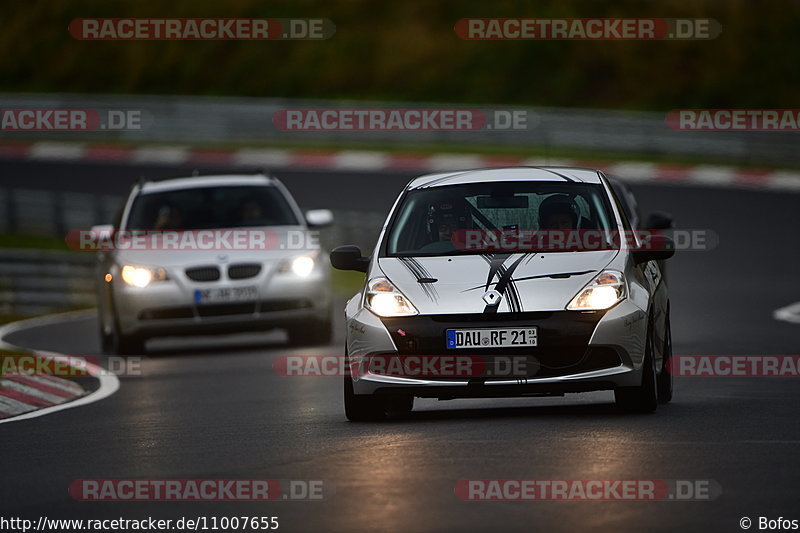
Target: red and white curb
pixel 352 160
pixel 24 397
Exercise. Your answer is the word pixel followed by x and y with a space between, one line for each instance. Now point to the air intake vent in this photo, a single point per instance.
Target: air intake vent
pixel 244 270
pixel 210 273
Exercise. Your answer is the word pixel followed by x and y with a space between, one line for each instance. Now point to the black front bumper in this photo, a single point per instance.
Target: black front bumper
pixel 563 341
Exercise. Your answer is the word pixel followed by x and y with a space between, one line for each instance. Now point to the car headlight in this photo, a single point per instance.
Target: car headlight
pixel 302 265
pixel 138 276
pixel 385 300
pixel 605 290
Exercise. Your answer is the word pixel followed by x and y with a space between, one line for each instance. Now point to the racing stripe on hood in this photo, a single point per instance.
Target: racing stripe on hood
pixel 420 272
pixel 505 284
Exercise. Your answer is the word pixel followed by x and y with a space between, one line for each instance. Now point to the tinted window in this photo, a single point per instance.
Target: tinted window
pixel 211 207
pixel 427 218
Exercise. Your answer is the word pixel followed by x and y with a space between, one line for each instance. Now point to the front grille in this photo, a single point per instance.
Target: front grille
pixel 244 270
pixel 209 273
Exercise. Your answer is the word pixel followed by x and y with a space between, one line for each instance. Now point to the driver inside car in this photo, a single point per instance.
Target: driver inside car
pixel 558 212
pixel 445 218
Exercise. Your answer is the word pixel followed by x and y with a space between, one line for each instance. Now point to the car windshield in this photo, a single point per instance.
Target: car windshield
pixel 434 221
pixel 211 207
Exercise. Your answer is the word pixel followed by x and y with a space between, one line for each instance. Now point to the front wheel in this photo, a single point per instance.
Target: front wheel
pixel 665 377
pixel 126 344
pixel 113 342
pixel 365 408
pixel 644 398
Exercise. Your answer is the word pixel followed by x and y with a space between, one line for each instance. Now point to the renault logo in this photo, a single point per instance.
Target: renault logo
pixel 492 297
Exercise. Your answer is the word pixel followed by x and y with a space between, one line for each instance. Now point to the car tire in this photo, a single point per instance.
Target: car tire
pixel 644 398
pixel 367 408
pixel 665 377
pixel 116 343
pixel 399 405
pixel 127 344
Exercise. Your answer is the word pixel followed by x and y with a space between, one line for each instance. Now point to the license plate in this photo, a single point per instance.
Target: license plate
pixel 227 294
pixel 493 337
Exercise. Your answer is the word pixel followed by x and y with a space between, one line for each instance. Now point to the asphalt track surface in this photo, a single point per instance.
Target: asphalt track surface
pixel 214 408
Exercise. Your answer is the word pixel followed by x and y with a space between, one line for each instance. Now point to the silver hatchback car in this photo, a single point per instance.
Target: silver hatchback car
pixel 507 282
pixel 212 254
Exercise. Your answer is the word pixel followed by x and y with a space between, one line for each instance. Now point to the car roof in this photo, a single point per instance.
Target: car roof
pixel 193 182
pixel 559 174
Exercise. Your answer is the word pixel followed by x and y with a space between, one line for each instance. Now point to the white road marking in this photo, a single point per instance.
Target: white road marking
pixel 31 391
pixel 633 171
pixel 56 150
pixel 357 160
pixel 267 158
pixel 109 383
pixel 60 384
pixel 784 181
pixel 713 175
pixel 546 162
pixel 453 161
pixel 164 155
pixel 10 406
pixel 790 313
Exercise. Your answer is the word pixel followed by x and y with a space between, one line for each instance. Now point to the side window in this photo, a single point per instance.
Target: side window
pixel 625 223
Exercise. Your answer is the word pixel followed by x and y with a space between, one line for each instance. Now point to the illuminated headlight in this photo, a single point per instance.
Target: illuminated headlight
pixel 137 276
pixel 301 266
pixel 605 290
pixel 385 300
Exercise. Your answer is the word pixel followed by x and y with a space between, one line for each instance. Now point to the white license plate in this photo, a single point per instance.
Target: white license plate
pixel 226 294
pixel 493 337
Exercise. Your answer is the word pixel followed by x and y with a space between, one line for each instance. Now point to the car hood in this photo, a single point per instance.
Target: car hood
pixel 526 281
pixel 284 241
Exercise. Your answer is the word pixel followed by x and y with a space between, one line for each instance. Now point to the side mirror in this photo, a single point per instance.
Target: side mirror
pixel 349 258
pixel 104 232
pixel 659 220
pixel 319 218
pixel 656 247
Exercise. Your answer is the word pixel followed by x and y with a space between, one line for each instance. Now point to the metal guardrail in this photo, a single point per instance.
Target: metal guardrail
pixel 188 119
pixel 41 281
